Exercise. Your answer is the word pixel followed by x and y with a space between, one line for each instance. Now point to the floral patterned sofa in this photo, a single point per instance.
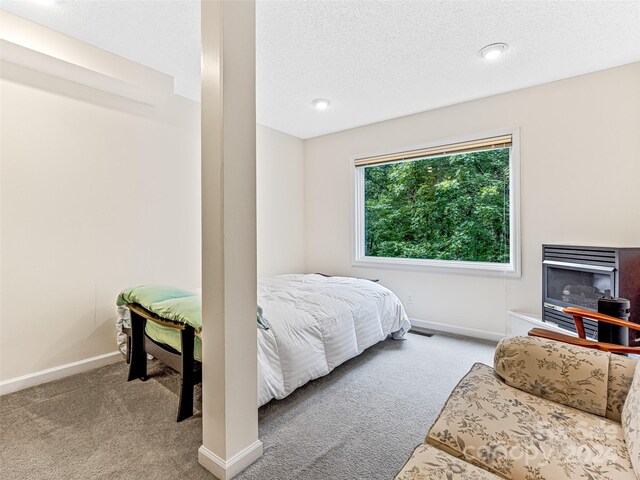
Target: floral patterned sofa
pixel 548 411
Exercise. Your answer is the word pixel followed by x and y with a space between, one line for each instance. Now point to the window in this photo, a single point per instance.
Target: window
pixel 450 206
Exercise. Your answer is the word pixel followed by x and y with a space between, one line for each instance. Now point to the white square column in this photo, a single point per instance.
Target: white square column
pixel 229 351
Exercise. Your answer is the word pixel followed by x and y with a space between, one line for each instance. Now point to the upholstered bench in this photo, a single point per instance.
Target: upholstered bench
pixel 166 323
pixel 548 411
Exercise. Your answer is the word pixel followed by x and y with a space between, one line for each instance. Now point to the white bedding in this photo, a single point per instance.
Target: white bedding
pixel 317 323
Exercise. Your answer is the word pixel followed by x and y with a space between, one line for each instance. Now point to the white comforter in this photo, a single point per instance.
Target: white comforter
pixel 317 323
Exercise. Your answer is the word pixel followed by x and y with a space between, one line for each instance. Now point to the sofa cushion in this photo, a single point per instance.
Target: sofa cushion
pixel 631 421
pixel 621 370
pixel 518 435
pixel 429 463
pixel 560 372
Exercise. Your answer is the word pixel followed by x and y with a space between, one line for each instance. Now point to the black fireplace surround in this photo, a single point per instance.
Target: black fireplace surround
pixel 574 276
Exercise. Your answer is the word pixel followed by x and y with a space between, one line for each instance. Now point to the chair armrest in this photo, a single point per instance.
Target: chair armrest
pixel 567 374
pixel 579 314
pixel 621 371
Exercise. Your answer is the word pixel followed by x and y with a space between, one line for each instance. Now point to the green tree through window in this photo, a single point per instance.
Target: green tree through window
pixel 452 207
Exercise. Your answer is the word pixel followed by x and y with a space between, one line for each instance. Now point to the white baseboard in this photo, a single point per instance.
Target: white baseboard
pixel 227 469
pixel 466 331
pixel 55 373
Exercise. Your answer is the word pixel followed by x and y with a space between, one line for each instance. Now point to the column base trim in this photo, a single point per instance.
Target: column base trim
pixel 227 469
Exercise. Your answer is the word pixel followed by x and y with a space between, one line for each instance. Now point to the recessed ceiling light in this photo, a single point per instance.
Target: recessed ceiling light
pixel 493 51
pixel 321 103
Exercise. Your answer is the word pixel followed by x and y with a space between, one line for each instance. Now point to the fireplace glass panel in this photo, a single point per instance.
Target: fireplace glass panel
pixel 577 288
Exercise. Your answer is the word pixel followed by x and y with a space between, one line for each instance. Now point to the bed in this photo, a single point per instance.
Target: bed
pixel 310 324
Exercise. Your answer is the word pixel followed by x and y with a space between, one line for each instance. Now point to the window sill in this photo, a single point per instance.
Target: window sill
pixel 440 266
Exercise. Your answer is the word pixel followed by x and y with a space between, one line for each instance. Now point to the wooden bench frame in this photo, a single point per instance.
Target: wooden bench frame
pixel 184 363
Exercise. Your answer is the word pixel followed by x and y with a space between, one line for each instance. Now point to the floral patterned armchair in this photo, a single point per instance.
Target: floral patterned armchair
pixel 549 410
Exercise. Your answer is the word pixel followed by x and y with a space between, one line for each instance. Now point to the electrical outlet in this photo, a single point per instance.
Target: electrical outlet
pixel 410 299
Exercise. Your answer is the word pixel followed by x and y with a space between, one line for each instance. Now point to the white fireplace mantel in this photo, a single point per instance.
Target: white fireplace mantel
pixel 519 324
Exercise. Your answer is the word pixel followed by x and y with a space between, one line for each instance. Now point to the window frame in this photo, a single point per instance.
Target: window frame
pixel 511 269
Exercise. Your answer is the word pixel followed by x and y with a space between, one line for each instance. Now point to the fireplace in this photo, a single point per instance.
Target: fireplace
pixel 574 276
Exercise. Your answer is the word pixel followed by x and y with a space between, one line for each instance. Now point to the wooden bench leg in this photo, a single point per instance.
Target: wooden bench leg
pixel 185 407
pixel 138 355
pixel 128 349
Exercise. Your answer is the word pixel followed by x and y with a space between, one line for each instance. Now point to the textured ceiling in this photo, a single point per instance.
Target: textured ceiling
pixel 380 60
pixel 374 60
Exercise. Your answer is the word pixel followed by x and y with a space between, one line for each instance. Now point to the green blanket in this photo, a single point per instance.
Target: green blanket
pixel 175 304
pixel 171 336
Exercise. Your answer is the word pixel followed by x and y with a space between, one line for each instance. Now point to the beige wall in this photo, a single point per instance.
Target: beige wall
pixel 86 212
pixel 280 195
pixel 87 209
pixel 580 174
pixel 97 193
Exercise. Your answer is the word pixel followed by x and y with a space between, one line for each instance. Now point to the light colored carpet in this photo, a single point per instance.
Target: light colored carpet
pixel 360 422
